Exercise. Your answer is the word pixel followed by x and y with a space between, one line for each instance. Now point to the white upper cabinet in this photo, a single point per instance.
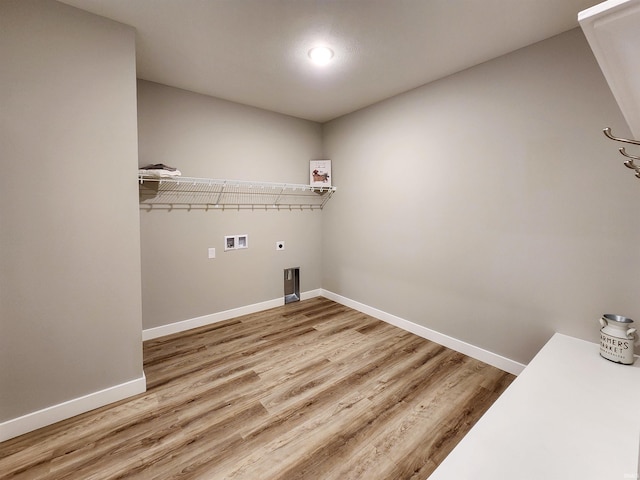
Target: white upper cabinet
pixel 612 29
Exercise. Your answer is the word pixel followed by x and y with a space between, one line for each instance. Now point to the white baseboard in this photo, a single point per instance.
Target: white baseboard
pixel 478 353
pixel 184 325
pixel 47 416
pixel 485 356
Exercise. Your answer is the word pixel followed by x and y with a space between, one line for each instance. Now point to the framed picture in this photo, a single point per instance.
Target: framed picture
pixel 320 173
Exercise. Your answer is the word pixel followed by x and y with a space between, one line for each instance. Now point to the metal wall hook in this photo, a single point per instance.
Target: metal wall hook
pixel 629 163
pixel 628 155
pixel 608 134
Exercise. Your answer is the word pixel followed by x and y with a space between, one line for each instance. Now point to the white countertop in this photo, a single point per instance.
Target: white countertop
pixel 570 414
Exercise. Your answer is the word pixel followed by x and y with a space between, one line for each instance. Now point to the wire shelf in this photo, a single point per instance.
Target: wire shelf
pixel 209 193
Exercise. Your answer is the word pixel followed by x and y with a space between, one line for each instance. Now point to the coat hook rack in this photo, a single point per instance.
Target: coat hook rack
pixel 628 163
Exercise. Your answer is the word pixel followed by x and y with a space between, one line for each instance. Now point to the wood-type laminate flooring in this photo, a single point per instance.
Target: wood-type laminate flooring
pixel 310 390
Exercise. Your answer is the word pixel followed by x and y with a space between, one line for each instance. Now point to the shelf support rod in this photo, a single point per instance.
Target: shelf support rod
pixel 284 187
pixel 222 189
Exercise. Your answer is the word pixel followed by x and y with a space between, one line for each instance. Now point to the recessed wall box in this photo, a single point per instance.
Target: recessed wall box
pixel 236 242
pixel 291 284
pixel 242 241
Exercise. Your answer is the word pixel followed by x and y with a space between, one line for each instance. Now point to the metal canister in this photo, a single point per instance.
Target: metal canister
pixel 617 338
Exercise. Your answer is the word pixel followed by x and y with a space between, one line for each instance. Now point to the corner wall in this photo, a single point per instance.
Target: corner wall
pixel 488 206
pixel 70 295
pixel 207 137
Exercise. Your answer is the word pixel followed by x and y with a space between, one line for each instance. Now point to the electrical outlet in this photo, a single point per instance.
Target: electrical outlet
pixel 280 245
pixel 212 253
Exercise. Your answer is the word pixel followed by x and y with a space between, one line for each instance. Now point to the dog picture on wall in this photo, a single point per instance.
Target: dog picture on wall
pixel 320 173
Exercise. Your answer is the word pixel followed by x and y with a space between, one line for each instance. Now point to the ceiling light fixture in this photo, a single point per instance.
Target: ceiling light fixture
pixel 320 55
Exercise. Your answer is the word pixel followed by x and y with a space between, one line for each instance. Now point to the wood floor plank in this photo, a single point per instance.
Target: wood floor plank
pixel 310 390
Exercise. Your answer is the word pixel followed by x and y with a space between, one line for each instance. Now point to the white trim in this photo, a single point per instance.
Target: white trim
pixel 311 293
pixel 183 325
pixel 47 416
pixel 478 353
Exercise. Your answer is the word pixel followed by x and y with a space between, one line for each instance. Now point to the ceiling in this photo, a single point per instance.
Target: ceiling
pixel 255 51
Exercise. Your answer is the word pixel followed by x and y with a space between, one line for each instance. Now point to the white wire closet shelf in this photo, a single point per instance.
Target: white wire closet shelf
pixel 210 193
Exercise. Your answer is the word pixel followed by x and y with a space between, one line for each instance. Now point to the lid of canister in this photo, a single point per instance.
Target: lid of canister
pixel 617 318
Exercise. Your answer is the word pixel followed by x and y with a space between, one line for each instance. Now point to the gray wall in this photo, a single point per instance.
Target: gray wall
pixel 489 206
pixel 207 137
pixel 70 296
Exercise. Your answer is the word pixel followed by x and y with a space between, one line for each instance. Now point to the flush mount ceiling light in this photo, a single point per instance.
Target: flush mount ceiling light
pixel 320 55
